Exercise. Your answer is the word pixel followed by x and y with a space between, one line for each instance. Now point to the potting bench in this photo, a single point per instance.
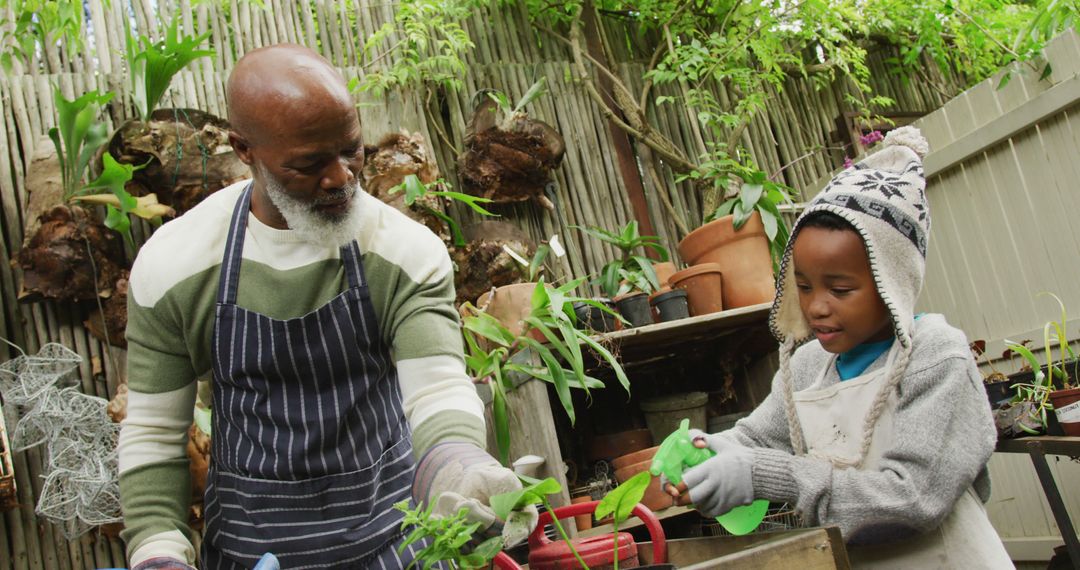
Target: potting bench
pixel 1038 448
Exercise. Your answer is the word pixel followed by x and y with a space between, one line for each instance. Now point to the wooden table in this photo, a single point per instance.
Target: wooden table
pixel 1038 448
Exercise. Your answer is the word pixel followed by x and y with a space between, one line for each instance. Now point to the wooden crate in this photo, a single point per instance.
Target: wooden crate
pixel 807 549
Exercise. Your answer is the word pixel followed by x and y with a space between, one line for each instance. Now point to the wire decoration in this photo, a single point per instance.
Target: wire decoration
pixel 81 488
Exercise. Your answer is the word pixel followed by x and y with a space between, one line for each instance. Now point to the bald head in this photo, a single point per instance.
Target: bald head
pixel 283 82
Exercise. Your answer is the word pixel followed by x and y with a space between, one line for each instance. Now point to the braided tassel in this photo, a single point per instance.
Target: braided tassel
pixel 798 445
pixel 895 375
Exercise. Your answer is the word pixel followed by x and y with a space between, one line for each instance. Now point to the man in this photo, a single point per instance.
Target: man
pixel 324 322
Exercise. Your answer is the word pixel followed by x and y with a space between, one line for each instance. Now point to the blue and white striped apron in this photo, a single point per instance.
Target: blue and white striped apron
pixel 310 446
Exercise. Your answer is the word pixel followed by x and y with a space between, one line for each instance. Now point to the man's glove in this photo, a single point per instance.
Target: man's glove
pixel 461 475
pixel 723 482
pixel 162 563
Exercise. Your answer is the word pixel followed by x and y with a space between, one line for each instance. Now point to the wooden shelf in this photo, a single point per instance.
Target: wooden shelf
pixel 1046 444
pixel 635 522
pixel 706 332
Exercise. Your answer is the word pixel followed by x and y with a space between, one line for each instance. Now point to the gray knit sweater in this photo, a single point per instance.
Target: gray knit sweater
pixel 945 438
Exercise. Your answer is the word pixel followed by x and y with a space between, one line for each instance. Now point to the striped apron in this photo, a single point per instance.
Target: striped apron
pixel 310 446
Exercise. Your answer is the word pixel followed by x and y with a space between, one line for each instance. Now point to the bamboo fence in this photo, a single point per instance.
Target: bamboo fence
pixel 795 140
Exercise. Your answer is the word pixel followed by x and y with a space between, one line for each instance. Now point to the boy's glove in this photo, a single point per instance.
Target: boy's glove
pixel 723 482
pixel 461 475
pixel 162 563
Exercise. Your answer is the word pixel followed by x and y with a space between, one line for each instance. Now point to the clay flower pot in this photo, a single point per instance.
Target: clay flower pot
pixel 743 257
pixel 704 288
pixel 629 465
pixel 1067 408
pixel 663 271
pixel 511 305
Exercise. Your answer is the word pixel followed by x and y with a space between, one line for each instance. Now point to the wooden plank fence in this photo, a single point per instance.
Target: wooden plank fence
pixel 1002 184
pixel 794 140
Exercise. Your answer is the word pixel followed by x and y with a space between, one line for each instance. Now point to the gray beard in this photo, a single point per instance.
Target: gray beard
pixel 309 223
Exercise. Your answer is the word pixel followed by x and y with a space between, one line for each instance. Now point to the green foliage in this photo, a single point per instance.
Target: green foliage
pixel 114 177
pixel 153 67
pixel 77 136
pixel 531 268
pixel 492 351
pixel 426 46
pixel 620 501
pixel 631 271
pixel 761 195
pixel 37 23
pixel 508 112
pixel 415 190
pixel 449 536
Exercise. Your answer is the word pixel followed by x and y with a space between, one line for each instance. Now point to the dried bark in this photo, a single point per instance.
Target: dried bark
pixel 483 263
pixel 511 162
pixel 115 315
pixel 186 152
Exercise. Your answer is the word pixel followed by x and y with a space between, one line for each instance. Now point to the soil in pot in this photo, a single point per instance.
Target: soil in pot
pixel 703 284
pixel 743 257
pixel 670 305
pixel 484 263
pixel 635 309
pixel 1067 409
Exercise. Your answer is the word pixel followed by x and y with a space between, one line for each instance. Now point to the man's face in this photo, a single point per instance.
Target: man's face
pixel 837 292
pixel 308 165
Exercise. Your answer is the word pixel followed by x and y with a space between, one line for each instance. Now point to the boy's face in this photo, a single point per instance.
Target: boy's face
pixel 837 293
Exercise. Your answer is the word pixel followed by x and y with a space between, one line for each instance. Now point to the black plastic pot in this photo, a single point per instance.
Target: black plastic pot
pixel 635 309
pixel 592 318
pixel 671 305
pixel 998 392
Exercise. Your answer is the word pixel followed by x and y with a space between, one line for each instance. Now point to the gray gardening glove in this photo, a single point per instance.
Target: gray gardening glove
pixel 162 563
pixel 461 475
pixel 723 482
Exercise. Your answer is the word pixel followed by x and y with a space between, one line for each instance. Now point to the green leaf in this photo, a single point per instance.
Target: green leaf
pixel 501 418
pixel 620 501
pixel 500 98
pixel 489 327
pixel 742 214
pixel 473 202
pixel 749 195
pixel 1047 70
pixel 535 90
pixel 540 298
pixel 531 493
pixel 769 221
pixel 609 278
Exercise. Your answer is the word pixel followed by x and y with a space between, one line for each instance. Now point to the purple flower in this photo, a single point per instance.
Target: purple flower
pixel 870 138
pixel 848 163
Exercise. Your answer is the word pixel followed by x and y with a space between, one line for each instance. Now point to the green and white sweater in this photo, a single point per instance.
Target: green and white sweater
pixel 171 299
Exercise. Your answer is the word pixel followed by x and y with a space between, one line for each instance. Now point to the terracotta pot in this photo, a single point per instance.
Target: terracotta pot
pixel 584 522
pixel 1067 408
pixel 511 306
pixel 655 498
pixel 704 288
pixel 663 270
pixel 636 457
pixel 743 257
pixel 608 447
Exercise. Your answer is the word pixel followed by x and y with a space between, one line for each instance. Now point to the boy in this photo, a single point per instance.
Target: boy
pixel 878 423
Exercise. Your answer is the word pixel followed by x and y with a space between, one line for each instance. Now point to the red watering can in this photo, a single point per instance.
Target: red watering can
pixel 596 551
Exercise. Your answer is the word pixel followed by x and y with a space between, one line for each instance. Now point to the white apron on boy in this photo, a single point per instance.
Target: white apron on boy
pixel 832 421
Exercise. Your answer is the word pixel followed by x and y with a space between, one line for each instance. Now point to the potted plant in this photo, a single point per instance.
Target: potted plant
pixel 494 351
pixel 745 236
pixel 631 278
pixel 998 385
pixel 1055 389
pixel 512 304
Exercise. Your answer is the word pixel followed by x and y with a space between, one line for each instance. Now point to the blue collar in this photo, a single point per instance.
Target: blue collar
pixel 854 362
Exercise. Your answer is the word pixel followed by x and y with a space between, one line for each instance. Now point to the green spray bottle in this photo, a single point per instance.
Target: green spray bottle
pixel 678 452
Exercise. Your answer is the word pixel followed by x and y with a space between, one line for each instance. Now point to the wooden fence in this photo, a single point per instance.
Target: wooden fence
pixel 795 139
pixel 1002 181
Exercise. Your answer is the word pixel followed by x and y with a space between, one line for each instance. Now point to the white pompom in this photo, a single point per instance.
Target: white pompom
pixel 910 137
